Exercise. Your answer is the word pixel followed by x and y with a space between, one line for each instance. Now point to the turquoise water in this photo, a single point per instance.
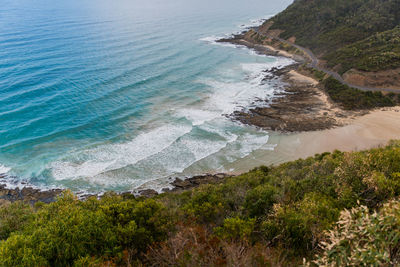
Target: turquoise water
pixel 118 94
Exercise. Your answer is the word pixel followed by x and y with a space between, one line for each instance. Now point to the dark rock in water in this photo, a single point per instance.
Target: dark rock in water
pixel 183 184
pixel 28 194
pixel 188 183
pixel 32 195
pixel 148 193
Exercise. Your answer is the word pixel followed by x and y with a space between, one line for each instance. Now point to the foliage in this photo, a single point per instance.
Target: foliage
pixel 354 99
pixel 195 246
pixel 364 239
pixel 235 229
pixel 260 200
pixel 335 23
pixel 378 52
pixel 268 216
pixel 299 226
pixel 206 204
pixel 359 34
pixel 68 230
pixel 13 218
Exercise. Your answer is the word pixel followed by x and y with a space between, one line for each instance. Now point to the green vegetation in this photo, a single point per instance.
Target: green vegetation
pixel 379 52
pixel 351 98
pixel 354 99
pixel 308 208
pixel 359 34
pixel 364 238
pixel 70 231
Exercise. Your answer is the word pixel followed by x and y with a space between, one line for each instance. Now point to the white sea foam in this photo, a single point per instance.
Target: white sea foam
pixel 230 95
pixel 173 159
pixel 246 144
pixel 92 162
pixel 254 22
pixel 188 151
pixel 253 142
pixel 211 140
pixel 215 154
pixel 210 39
pixel 244 26
pixel 197 116
pixel 4 169
pixel 213 40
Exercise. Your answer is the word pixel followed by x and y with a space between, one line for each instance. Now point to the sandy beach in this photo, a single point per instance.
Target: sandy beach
pixel 350 130
pixel 372 130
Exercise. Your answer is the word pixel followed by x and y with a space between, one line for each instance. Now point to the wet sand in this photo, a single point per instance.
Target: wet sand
pixel 369 131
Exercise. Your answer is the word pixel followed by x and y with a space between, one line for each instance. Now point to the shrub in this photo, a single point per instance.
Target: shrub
pixel 299 226
pixel 235 229
pixel 195 246
pixel 206 204
pixel 364 239
pixel 67 230
pixel 355 99
pixel 272 215
pixel 260 200
pixel 14 217
pixel 370 177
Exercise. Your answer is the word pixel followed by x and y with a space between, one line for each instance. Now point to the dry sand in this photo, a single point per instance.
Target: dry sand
pixel 300 78
pixel 372 130
pixel 279 52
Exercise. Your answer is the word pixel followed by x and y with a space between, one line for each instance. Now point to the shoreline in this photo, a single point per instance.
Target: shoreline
pixel 303 106
pixel 372 130
pixel 301 122
pixel 341 130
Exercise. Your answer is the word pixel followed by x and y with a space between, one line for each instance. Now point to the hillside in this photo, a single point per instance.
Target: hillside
pixel 325 25
pixel 381 51
pixel 361 35
pixel 268 216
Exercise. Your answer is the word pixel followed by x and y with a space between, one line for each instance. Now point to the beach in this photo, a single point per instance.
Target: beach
pixel 305 121
pixel 364 132
pixel 217 108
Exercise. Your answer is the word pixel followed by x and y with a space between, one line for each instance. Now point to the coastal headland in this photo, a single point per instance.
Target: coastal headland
pixel 305 119
pixel 302 121
pixel 321 189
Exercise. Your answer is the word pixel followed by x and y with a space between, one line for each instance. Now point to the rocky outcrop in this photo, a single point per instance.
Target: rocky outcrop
pixel 27 194
pixel 195 181
pixel 301 107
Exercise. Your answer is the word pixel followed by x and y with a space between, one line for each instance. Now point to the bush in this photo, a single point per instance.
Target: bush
pixel 235 229
pixel 195 246
pixel 260 200
pixel 299 226
pixel 354 99
pixel 274 215
pixel 67 230
pixel 371 177
pixel 13 218
pixel 206 204
pixel 364 239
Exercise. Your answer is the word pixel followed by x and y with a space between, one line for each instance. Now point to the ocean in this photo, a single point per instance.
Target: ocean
pixel 117 95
